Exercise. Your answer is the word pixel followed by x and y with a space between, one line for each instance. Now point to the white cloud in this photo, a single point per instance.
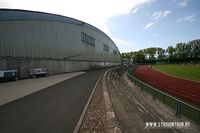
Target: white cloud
pixel 123 45
pixel 189 18
pixel 4 3
pixel 183 3
pixel 166 13
pixel 135 10
pixel 149 25
pixel 157 15
pixel 120 42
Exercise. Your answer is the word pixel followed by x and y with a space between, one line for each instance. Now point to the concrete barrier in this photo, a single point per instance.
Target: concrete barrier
pixel 23 65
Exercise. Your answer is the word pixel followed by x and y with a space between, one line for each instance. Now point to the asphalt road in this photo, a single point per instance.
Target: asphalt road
pixel 55 109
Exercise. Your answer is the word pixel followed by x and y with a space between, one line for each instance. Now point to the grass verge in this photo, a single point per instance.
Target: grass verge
pixel 191 72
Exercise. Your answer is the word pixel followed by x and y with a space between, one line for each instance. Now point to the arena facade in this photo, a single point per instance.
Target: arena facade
pixel 30 39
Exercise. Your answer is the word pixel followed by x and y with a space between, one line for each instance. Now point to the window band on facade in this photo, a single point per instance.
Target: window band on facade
pixel 87 39
pixel 105 47
pixel 114 51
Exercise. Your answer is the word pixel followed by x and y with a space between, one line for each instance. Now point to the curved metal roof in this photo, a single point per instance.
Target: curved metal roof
pixel 18 14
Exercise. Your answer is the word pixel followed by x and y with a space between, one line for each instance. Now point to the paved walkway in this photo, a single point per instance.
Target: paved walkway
pixel 55 109
pixel 10 91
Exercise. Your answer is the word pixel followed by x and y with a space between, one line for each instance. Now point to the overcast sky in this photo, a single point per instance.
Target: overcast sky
pixel 132 24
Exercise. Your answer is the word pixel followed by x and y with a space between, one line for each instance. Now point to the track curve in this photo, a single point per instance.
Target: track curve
pixel 183 89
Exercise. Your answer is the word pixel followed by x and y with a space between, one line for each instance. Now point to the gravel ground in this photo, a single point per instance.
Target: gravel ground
pixel 95 117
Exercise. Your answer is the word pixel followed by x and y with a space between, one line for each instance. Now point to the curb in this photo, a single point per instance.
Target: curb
pixel 76 130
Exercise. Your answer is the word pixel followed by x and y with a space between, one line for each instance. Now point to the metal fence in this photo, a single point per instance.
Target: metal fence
pixel 181 108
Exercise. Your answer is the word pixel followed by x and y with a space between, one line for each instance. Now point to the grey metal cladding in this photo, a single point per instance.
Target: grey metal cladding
pixel 27 39
pixel 17 32
pixel 17 14
pixel 13 14
pixel 51 36
pixel 7 38
pixel 1 43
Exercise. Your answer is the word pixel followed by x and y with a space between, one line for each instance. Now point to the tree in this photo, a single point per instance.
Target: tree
pixel 145 53
pixel 140 57
pixel 151 52
pixel 125 55
pixel 171 51
pixel 195 48
pixel 181 52
pixel 161 53
pixel 135 56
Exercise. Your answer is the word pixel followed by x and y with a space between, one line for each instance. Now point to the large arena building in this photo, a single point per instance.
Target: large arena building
pixel 61 44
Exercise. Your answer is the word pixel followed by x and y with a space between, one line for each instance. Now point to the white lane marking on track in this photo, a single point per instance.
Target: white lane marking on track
pixel 141 110
pixel 129 97
pixel 115 130
pixel 161 119
pixel 142 107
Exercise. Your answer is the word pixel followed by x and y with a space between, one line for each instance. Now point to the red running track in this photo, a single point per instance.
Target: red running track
pixel 183 89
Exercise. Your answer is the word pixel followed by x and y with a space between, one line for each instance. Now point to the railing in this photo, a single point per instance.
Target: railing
pixel 181 108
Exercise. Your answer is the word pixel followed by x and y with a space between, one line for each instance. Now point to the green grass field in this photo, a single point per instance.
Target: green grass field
pixel 185 71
